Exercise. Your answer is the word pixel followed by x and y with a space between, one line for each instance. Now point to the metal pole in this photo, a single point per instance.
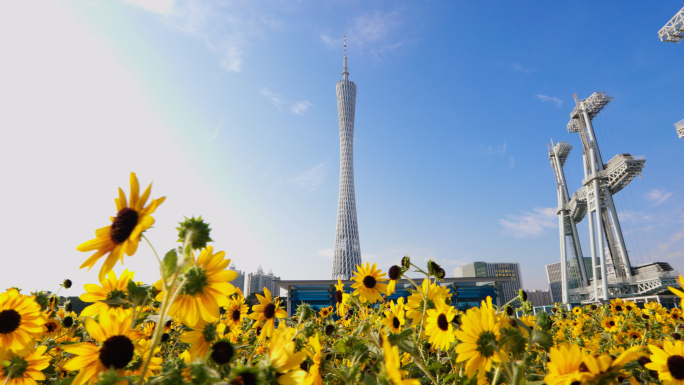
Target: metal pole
pixel 564 257
pixel 592 245
pixel 618 230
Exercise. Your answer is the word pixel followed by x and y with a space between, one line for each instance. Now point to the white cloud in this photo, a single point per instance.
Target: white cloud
pixel 227 29
pixel 530 223
pixel 310 180
pixel 512 162
pixel 372 32
pixel 517 67
pixel 552 99
pixel 300 107
pixel 326 253
pixel 275 98
pixel 497 150
pixel 159 6
pixel 658 196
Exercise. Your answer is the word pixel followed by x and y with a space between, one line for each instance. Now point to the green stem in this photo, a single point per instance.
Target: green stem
pixel 153 250
pixel 424 369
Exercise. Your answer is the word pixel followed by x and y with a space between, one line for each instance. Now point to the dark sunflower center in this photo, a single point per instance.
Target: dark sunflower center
pixel 485 344
pixel 269 311
pixel 246 378
pixel 618 308
pixel 123 225
pixel 116 352
pixel 629 308
pixel 396 323
pixel 68 322
pixel 611 323
pixel 236 315
pixel 583 367
pixel 369 282
pixel 338 296
pixel 222 352
pixel 329 329
pixel 394 272
pixel 676 366
pixel 442 322
pixel 9 321
pixel 50 327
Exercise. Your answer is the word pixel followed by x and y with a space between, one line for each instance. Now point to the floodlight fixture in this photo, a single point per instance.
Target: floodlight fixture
pixel 673 31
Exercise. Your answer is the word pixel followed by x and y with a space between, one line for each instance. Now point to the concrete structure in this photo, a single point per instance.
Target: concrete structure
pixel 673 32
pixel 347 247
pixel 238 282
pixel 495 270
pixel 258 281
pixel 466 292
pixel 539 297
pixel 616 276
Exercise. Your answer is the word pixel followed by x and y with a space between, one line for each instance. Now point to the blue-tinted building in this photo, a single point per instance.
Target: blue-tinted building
pixel 466 292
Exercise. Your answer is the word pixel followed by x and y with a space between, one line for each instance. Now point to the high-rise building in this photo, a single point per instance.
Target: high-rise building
pixel 347 247
pixel 507 290
pixel 554 276
pixel 258 281
pixel 539 297
pixel 238 282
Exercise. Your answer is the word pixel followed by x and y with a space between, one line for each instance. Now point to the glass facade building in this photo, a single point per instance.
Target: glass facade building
pixel 466 292
pixel 495 270
pixel 553 274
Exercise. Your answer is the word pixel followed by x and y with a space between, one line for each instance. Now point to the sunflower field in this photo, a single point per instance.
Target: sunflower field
pixel 192 326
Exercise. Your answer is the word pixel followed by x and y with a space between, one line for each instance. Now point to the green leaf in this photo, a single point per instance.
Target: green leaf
pixel 66 381
pixel 340 346
pixel 170 262
pixel 369 380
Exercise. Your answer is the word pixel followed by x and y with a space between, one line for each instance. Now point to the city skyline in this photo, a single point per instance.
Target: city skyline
pixel 228 108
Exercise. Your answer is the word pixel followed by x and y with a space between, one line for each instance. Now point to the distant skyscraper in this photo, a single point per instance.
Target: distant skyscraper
pixel 498 269
pixel 554 276
pixel 258 281
pixel 539 297
pixel 347 248
pixel 238 282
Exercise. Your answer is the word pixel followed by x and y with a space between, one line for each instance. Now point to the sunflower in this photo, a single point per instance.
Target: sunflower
pixel 21 321
pixel 236 311
pixel 314 377
pixel 201 338
pixel 617 306
pixel 439 327
pixel 668 362
pixel 677 292
pixel 368 286
pixel 123 235
pixel 266 312
pixel 115 351
pixel 113 291
pixel 142 350
pixel 25 370
pixel 341 298
pixel 604 366
pixel 478 335
pixel 393 364
pixel 206 289
pixel 394 316
pixel 283 357
pixel 394 275
pixel 564 367
pixel 433 292
pixel 325 312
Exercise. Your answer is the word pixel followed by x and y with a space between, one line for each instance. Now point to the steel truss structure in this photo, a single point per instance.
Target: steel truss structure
pixel 612 273
pixel 673 31
pixel 347 247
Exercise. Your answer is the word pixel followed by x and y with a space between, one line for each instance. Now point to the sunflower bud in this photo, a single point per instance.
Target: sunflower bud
pixel 436 270
pixel 304 312
pixel 196 232
pixel 406 262
pixel 394 273
pixel 67 283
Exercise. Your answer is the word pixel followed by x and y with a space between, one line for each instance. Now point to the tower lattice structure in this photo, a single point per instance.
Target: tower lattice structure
pixel 612 274
pixel 347 247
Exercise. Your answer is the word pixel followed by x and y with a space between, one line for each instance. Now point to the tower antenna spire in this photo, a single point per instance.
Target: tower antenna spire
pixel 345 73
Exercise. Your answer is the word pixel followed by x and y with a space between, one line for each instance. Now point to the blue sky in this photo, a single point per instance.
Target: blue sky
pixel 229 107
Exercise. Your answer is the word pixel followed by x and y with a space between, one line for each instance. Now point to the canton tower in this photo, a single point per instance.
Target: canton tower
pixel 347 248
